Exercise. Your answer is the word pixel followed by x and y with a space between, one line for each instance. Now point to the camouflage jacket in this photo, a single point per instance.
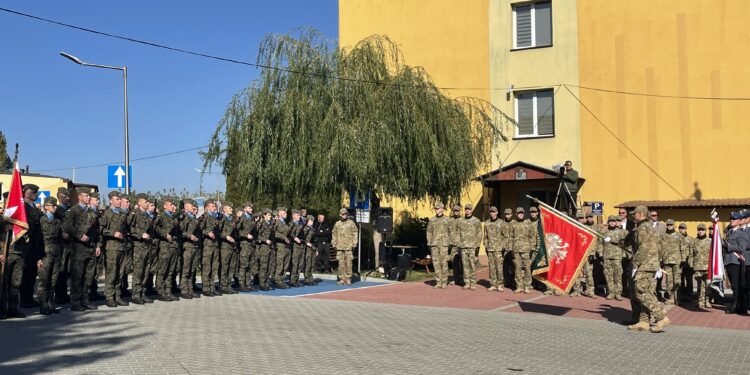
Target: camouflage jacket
pixel 167 225
pixel 700 251
pixel 51 231
pixel 647 243
pixel 228 228
pixel 344 235
pixel 469 232
pixel 264 232
pixel 522 236
pixel 295 231
pixel 672 248
pixel 245 227
pixel 140 223
pixel 534 233
pixel 493 238
pixel 439 231
pixel 79 221
pixel 208 223
pixel 309 235
pixel 453 227
pixel 506 232
pixel 281 232
pixel 111 222
pixel 686 248
pixel 614 249
pixel 189 227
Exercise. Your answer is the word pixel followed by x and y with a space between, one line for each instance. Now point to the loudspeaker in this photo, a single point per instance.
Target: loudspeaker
pixel 384 222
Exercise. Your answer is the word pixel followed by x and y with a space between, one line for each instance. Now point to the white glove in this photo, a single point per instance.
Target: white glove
pixel 607 239
pixel 428 256
pixel 658 273
pixel 635 269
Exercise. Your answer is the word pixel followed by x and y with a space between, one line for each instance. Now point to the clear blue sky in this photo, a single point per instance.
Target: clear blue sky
pixel 65 115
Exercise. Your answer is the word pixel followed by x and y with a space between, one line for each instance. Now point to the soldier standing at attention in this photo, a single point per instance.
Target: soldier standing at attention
pixel 112 226
pixel 298 246
pixel 32 246
pixel 438 239
pixel 614 241
pixel 52 232
pixel 698 260
pixel 535 242
pixel 281 234
pixel 308 234
pixel 127 259
pixel 228 249
pixel 190 235
pixel 506 231
pixel 141 231
pixel 83 230
pixel 99 267
pixel 248 264
pixel 646 248
pixel 493 243
pixel 153 251
pixel 469 240
pixel 208 224
pixel 454 252
pixel 344 239
pixel 61 287
pixel 168 234
pixel 686 284
pixel 522 239
pixel 13 264
pixel 263 242
pixel 671 258
pixel 588 266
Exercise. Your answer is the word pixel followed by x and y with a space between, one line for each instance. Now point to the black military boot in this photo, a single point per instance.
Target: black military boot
pixel 111 303
pixel 14 313
pixel 164 298
pixel 186 296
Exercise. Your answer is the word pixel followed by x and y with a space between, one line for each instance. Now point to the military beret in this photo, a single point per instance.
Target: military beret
pixel 508 211
pixel 227 203
pixel 343 211
pixel 745 213
pixel 520 209
pixel 579 215
pixel 438 205
pixel 670 221
pixel 735 215
pixel 683 225
pixel 62 191
pixel 50 200
pixel 94 194
pixel 533 209
pixel 641 209
pixel 143 196
pixel 468 206
pixel 281 209
pixel 589 214
pixel 266 211
pixel 295 211
pixel 30 187
pixel 457 207
pixel 167 199
pixel 493 209
pixel 124 196
pixel 113 193
pixel 188 201
pixel 248 204
pixel 613 218
pixel 701 226
pixel 151 200
pixel 310 217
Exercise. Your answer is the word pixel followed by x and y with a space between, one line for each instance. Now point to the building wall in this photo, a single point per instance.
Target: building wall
pixel 674 48
pixel 449 38
pixel 50 184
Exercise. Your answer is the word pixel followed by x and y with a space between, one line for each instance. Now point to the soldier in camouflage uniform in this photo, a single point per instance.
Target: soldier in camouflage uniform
pixel 168 234
pixel 311 252
pixel 83 229
pixel 48 273
pixel 671 259
pixel 493 243
pixel 686 284
pixel 344 239
pixel 647 245
pixel 522 237
pixel 100 259
pixel 281 235
pixel 208 225
pixel 588 266
pixel 506 232
pixel 263 247
pixel 191 236
pixel 700 250
pixel 61 287
pixel 454 252
pixel 298 246
pixel 112 225
pixel 228 230
pixel 469 240
pixel 535 243
pixel 153 251
pixel 438 239
pixel 613 252
pixel 13 263
pixel 33 247
pixel 248 264
pixel 126 267
pixel 142 233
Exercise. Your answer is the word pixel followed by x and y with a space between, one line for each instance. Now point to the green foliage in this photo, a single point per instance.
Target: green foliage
pixel 326 120
pixel 6 164
pixel 411 231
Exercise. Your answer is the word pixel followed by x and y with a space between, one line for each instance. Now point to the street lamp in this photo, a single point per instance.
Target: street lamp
pixel 124 70
pixel 218 177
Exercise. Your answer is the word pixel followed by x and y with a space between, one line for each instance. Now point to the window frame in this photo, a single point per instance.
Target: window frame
pixel 514 22
pixel 535 115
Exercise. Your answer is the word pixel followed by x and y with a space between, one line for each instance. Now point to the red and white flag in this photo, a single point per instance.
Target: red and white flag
pixel 15 210
pixel 716 258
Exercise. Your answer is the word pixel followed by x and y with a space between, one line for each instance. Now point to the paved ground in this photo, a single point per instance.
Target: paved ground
pixel 254 334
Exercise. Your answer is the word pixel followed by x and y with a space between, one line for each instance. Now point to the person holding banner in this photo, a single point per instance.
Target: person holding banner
pixel 736 243
pixel 698 260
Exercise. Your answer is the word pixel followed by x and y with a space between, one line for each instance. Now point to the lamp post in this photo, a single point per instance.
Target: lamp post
pixel 124 70
pixel 218 178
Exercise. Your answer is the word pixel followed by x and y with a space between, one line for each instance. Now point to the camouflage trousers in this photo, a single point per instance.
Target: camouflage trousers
pixel 613 274
pixel 228 258
pixel 126 265
pixel 82 263
pixel 12 281
pixel 298 256
pixel 495 260
pixel 263 253
pixel 271 262
pixel 645 297
pixel 345 257
pixel 283 253
pixel 112 275
pixel 248 264
pixel 310 255
pixel 152 269
pixel 210 265
pixel 48 274
pixel 701 279
pixel 469 260
pixel 672 279
pixel 99 271
pixel 522 269
pixel 165 267
pixel 587 277
pixel 141 253
pixel 440 263
pixel 189 254
pixel 61 287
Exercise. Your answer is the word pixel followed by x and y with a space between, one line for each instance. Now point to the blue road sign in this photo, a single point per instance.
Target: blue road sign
pixel 116 177
pixel 43 194
pixel 597 208
pixel 359 200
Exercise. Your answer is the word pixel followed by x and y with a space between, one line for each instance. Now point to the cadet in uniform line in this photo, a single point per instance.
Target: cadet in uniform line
pixel 82 227
pixel 698 260
pixel 191 236
pixel 469 240
pixel 344 239
pixel 50 267
pixel 493 243
pixel 281 234
pixel 612 253
pixel 112 224
pixel 209 230
pixel 438 239
pixel 522 237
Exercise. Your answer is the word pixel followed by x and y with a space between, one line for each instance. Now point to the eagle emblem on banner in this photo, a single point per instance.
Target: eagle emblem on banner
pixel 556 247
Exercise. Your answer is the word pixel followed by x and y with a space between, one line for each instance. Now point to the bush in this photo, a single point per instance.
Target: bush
pixel 411 231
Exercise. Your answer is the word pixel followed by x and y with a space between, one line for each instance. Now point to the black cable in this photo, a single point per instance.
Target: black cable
pixel 119 162
pixel 657 95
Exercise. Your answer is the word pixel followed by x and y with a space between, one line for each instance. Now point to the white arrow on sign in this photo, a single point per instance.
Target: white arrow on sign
pixel 120 173
pixel 42 197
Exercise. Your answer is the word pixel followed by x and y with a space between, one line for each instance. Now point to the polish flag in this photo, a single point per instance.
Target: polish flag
pixel 15 210
pixel 716 258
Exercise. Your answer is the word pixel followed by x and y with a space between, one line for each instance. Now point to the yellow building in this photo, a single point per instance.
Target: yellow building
pixel 626 90
pixel 48 185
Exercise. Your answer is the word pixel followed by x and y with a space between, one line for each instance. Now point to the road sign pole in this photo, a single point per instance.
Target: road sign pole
pixel 127 136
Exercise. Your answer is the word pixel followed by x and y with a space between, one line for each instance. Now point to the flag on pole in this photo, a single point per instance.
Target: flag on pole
pixel 716 258
pixel 563 247
pixel 15 210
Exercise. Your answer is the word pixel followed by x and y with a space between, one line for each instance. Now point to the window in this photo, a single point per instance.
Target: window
pixel 532 25
pixel 535 114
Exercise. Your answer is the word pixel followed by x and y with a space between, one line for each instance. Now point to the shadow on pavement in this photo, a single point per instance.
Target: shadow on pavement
pixel 543 309
pixel 613 314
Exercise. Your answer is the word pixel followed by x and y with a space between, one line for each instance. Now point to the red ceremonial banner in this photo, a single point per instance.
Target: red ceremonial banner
pixel 568 244
pixel 15 210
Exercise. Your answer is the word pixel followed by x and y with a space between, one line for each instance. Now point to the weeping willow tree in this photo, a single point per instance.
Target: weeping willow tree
pixel 322 120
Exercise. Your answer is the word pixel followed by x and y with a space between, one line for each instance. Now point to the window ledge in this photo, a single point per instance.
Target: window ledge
pixel 523 137
pixel 527 48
